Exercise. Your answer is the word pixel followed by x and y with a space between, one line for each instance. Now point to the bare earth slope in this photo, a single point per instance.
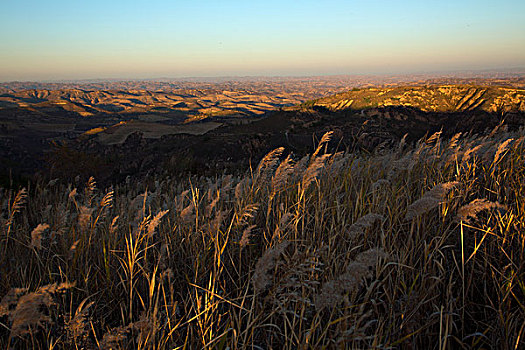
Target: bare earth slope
pixel 440 98
pixel 195 103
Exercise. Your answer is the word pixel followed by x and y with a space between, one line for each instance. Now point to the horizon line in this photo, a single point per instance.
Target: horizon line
pixel 513 70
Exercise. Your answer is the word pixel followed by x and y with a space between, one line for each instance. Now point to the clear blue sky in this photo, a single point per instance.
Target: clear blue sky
pixel 73 39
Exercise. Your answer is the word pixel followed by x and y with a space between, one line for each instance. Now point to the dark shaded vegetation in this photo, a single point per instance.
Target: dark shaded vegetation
pixel 234 148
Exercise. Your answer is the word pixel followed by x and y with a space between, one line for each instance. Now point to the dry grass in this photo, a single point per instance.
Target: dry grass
pixel 118 133
pixel 387 250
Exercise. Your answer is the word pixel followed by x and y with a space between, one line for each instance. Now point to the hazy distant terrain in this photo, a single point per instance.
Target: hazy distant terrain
pixel 314 85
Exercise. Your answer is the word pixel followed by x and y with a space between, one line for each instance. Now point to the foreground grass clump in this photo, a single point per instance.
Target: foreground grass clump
pixel 416 247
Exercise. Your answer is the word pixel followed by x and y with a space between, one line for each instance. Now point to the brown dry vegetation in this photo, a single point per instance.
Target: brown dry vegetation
pixel 117 134
pixel 417 247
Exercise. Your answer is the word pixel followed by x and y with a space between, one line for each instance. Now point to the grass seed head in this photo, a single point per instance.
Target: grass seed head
pixel 364 223
pixel 155 222
pixel 262 277
pixel 84 217
pixel 36 236
pixel 332 292
pixel 470 212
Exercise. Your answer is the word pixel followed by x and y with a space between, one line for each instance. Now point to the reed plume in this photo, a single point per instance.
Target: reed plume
pixel 454 141
pixel 324 142
pixel 282 175
pixel 246 235
pixel 31 309
pixel 245 213
pixel 114 225
pixel 469 212
pixel 15 207
pixel 36 236
pixel 282 225
pixel 268 164
pixel 10 300
pixel 213 203
pixel 91 187
pixel 313 171
pixel 72 194
pixel 430 200
pixel 434 137
pixel 333 291
pixel 379 184
pixel 470 152
pixel 155 222
pixel 187 213
pixel 78 326
pixel 73 249
pixel 363 223
pixel 239 189
pixel 262 277
pixel 84 217
pixel 114 337
pixel 502 149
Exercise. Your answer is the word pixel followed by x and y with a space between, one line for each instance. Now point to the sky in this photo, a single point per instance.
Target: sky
pixel 116 39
